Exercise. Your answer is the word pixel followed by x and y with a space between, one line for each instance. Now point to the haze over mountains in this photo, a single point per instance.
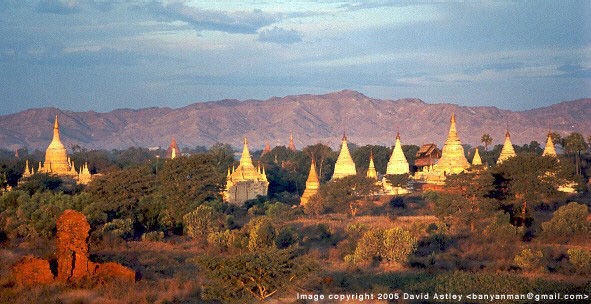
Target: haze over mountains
pixel 311 119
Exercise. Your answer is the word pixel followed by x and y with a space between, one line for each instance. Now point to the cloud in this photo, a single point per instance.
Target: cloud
pixel 241 22
pixel 279 35
pixel 60 7
pixel 574 71
pixel 502 66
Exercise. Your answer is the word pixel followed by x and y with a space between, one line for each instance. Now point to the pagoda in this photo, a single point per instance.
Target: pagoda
pixel 452 159
pixel 344 165
pixel 291 146
pixel 549 149
pixel 397 163
pixel 507 151
pixel 476 160
pixel 266 150
pixel 312 184
pixel 173 150
pixel 371 170
pixel 245 182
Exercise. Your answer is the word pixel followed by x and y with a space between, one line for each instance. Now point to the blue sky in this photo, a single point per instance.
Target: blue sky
pixel 106 54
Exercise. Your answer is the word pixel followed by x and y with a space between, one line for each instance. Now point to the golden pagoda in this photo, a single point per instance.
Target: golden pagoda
pixel 291 144
pixel 397 163
pixel 549 149
pixel 371 170
pixel 344 165
pixel 245 182
pixel 28 172
pixel 476 160
pixel 312 184
pixel 173 150
pixel 452 159
pixel 57 161
pixel 84 176
pixel 266 150
pixel 507 150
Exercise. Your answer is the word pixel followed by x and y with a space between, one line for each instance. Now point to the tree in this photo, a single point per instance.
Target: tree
pixel 344 194
pixel 320 153
pixel 575 143
pixel 467 198
pixel 529 178
pixel 381 155
pixel 397 180
pixel 259 274
pixel 203 221
pixel 261 233
pixel 568 221
pixel 486 139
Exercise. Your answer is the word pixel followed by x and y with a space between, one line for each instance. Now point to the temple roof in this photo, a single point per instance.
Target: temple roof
pixel 507 150
pixel 476 160
pixel 371 170
pixel 397 163
pixel 344 165
pixel 549 149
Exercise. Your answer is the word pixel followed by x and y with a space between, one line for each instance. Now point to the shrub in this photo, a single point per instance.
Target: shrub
pixel 393 245
pixel 529 259
pixel 153 236
pixel 228 239
pixel 202 221
pixel 568 221
pixel 580 259
pixel 286 237
pixel 121 228
pixel 261 233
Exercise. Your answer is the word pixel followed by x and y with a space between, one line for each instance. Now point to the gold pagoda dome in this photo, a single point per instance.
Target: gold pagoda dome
pixel 452 159
pixel 507 151
pixel 549 149
pixel 397 163
pixel 56 157
pixel 344 165
pixel 312 184
pixel 476 160
pixel 371 170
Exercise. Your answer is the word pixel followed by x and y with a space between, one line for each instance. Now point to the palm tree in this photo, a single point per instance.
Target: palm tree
pixel 486 140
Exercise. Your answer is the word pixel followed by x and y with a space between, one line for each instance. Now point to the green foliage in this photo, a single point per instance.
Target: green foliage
pixel 392 245
pixel 340 195
pixel 529 259
pixel 228 239
pixel 153 236
pixel 261 233
pixel 381 155
pixel 23 215
pixel 580 259
pixel 398 180
pixel 44 182
pixel 501 229
pixel 486 139
pixel 258 275
pixel 202 221
pixel 286 237
pixel 120 228
pixel 568 221
pixel 325 159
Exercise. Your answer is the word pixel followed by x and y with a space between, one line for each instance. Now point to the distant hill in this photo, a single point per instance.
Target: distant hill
pixel 311 119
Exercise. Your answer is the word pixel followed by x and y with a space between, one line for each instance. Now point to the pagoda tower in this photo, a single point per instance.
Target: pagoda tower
pixel 507 151
pixel 397 163
pixel 549 149
pixel 266 150
pixel 344 165
pixel 371 170
pixel 28 172
pixel 476 160
pixel 84 176
pixel 173 150
pixel 56 157
pixel 312 184
pixel 245 182
pixel 452 159
pixel 291 146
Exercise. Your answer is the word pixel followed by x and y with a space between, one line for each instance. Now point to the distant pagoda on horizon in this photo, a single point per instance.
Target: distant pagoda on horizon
pixel 344 165
pixel 508 151
pixel 173 150
pixel 453 160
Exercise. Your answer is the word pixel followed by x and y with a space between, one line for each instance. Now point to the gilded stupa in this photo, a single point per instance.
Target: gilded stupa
pixel 397 163
pixel 549 149
pixel 245 182
pixel 476 160
pixel 291 146
pixel 57 161
pixel 452 159
pixel 507 151
pixel 344 165
pixel 371 170
pixel 312 184
pixel 266 150
pixel 173 150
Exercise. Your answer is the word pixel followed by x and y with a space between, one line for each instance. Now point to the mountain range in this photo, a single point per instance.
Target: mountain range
pixel 310 118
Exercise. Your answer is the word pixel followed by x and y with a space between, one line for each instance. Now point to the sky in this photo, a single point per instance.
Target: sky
pixel 102 55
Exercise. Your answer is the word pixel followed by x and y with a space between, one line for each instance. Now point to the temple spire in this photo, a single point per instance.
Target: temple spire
pixel 452 159
pixel 291 146
pixel 508 151
pixel 371 170
pixel 397 163
pixel 344 165
pixel 245 160
pixel 549 149
pixel 312 184
pixel 476 160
